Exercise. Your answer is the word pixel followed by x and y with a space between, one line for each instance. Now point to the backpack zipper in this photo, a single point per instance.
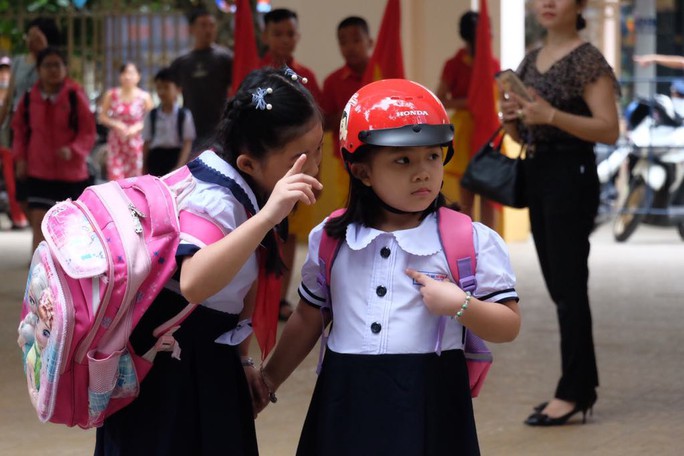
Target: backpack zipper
pixel 135 247
pixel 137 215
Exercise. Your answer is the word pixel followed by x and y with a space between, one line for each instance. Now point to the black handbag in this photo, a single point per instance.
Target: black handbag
pixel 496 176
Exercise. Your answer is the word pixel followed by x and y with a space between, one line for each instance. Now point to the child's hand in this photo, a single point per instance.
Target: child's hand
pixel 294 187
pixel 120 128
pixel 257 390
pixel 440 297
pixel 64 153
pixel 20 169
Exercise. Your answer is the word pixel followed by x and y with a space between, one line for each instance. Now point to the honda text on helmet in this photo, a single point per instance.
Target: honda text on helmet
pixel 394 113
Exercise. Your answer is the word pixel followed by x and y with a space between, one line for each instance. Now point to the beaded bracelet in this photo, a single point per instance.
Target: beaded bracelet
pixel 464 306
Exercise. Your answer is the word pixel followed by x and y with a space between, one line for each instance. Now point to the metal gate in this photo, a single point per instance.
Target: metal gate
pixel 98 42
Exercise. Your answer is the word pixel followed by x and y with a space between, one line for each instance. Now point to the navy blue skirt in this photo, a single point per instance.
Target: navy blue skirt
pixel 413 404
pixel 199 405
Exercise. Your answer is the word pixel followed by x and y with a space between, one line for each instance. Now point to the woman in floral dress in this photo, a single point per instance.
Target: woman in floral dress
pixel 123 111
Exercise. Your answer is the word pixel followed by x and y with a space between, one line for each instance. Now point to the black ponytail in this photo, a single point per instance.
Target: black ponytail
pixel 245 128
pixel 580 22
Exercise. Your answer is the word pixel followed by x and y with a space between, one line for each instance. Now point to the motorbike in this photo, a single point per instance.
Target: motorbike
pixel 655 149
pixel 609 160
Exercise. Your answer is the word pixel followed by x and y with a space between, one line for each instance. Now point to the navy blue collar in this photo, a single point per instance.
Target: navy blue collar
pixel 203 171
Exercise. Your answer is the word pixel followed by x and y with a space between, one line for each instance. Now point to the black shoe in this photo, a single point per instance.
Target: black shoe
pixel 540 407
pixel 542 419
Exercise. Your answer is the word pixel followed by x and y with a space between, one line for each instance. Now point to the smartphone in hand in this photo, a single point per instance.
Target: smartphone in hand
pixel 510 82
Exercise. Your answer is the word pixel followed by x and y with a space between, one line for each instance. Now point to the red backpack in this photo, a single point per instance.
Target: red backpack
pixel 454 227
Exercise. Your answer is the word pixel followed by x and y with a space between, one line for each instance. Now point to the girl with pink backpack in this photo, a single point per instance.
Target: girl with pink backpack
pixel 196 398
pixel 395 380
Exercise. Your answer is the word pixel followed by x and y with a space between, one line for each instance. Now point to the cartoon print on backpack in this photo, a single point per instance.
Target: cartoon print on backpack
pixel 34 330
pixel 34 359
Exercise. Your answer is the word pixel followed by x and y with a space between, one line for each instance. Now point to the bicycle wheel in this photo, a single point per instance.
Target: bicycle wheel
pixel 628 218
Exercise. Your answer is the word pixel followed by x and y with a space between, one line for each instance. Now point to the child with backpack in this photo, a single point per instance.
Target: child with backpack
pixel 196 397
pixel 54 132
pixel 169 129
pixel 394 378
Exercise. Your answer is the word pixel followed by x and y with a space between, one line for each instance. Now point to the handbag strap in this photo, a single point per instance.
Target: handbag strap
pixel 523 146
pixel 495 135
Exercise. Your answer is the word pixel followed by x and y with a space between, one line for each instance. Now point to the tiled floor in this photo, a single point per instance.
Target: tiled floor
pixel 636 291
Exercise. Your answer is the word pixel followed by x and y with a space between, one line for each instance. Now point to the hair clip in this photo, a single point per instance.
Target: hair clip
pixel 289 72
pixel 258 98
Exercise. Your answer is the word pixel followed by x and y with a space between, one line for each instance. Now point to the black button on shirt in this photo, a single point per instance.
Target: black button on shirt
pixel 381 291
pixel 385 252
pixel 376 327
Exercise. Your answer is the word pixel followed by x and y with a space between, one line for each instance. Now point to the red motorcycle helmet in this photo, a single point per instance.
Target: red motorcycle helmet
pixel 394 113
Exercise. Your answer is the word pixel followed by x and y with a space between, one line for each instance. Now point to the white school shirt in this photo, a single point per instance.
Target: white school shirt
pixel 377 308
pixel 212 194
pixel 166 130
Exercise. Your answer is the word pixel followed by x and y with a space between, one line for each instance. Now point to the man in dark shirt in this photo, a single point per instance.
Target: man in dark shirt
pixel 205 75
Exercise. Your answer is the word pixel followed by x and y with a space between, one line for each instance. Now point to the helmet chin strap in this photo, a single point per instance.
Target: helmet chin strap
pixel 392 209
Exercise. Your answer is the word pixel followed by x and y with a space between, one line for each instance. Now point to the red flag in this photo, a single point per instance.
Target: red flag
pixel 265 316
pixel 245 57
pixel 481 91
pixel 387 61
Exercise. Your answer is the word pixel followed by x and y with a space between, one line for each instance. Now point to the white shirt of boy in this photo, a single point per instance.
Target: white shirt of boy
pixel 166 130
pixel 377 308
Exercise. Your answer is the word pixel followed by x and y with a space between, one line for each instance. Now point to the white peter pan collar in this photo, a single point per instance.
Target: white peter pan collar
pixel 421 240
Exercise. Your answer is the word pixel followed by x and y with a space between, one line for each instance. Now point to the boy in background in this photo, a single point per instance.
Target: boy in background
pixel 204 74
pixel 355 42
pixel 169 129
pixel 281 35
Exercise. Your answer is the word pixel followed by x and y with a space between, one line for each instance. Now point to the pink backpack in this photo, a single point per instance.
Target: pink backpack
pixel 454 227
pixel 105 258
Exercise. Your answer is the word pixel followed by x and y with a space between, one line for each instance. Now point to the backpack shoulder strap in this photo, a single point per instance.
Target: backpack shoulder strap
pixel 328 248
pixel 73 110
pixel 327 251
pixel 179 123
pixel 153 123
pixel 456 236
pixel 197 228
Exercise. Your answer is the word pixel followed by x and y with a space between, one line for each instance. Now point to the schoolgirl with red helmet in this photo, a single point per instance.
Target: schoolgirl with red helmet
pixel 392 382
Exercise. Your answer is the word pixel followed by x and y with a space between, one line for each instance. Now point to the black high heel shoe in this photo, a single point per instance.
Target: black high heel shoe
pixel 542 419
pixel 540 407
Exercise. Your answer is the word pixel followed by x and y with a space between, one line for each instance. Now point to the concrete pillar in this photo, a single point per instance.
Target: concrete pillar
pixel 645 22
pixel 512 36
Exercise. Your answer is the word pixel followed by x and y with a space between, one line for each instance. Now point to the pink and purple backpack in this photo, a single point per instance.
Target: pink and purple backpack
pixel 456 235
pixel 105 258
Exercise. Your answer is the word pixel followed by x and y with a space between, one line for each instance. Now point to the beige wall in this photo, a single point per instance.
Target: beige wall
pixel 429 32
